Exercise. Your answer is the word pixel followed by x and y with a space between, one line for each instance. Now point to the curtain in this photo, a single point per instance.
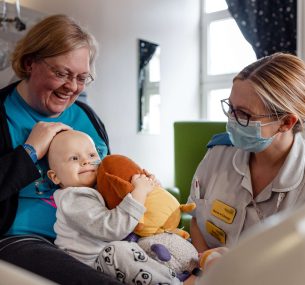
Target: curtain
pixel 268 25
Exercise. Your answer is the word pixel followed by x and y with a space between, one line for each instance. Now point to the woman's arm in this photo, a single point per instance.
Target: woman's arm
pixel 197 238
pixel 17 170
pixel 16 167
pixel 42 134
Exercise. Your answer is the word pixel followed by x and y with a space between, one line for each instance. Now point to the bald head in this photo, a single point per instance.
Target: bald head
pixel 70 157
pixel 64 141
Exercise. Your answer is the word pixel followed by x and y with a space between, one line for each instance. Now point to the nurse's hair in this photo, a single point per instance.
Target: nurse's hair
pixel 53 36
pixel 279 80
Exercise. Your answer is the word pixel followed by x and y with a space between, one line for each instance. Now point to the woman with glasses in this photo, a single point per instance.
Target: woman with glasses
pixel 54 62
pixel 236 187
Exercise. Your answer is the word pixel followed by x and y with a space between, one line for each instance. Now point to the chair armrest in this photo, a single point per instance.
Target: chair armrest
pixel 185 222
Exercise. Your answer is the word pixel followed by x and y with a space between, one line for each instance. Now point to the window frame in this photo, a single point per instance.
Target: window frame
pixel 222 81
pixel 210 82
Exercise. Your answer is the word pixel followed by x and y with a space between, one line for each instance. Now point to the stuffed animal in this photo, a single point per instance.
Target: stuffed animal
pixel 159 225
pixel 163 211
pixel 171 250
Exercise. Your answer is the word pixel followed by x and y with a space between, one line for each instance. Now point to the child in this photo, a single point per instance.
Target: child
pixel 86 228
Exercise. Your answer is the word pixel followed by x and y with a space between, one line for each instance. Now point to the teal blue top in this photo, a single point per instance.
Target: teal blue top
pixel 36 209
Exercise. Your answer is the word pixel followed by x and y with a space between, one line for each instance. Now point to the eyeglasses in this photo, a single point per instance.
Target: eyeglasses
pixel 81 79
pixel 242 117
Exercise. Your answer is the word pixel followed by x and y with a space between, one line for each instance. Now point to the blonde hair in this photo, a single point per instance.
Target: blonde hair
pixel 53 36
pixel 279 80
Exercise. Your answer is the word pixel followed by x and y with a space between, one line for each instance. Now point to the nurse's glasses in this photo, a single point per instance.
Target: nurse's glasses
pixel 242 117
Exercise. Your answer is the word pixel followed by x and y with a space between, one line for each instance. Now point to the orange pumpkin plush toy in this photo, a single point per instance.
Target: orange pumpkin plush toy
pixel 163 211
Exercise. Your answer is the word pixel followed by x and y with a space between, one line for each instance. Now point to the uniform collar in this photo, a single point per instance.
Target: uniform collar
pixel 291 173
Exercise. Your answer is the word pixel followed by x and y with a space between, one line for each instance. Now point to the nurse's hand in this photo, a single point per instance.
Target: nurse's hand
pixel 42 135
pixel 209 257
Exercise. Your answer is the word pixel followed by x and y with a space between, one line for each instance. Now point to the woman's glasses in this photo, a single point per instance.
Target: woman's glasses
pixel 240 116
pixel 81 79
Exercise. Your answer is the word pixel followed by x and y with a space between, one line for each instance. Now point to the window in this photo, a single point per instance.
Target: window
pixel 224 53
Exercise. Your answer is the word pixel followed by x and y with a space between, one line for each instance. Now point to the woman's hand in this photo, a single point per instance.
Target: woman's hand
pixel 42 135
pixel 143 186
pixel 210 256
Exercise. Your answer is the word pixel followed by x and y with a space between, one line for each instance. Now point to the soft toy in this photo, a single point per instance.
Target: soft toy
pixel 182 254
pixel 163 211
pixel 161 237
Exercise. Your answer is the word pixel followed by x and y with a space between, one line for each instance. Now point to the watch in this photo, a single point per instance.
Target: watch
pixel 31 151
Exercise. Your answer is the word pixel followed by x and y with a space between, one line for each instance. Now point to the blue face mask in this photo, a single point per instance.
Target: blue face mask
pixel 248 138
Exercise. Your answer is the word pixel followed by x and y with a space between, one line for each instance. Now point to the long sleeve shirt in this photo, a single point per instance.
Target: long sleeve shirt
pixel 84 224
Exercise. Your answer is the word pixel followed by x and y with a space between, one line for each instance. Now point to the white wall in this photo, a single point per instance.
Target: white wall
pixel 117 24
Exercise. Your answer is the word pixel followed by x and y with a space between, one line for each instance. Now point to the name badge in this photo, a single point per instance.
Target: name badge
pixel 223 211
pixel 216 232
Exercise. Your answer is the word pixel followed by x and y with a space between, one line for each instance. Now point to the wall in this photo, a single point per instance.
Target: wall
pixel 9 35
pixel 117 25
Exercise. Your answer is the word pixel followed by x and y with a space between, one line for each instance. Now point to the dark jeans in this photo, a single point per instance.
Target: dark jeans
pixel 45 259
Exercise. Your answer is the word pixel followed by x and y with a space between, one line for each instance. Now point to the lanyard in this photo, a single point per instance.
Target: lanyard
pixel 260 214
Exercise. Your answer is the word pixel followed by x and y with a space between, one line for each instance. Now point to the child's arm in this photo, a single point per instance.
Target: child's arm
pixel 143 185
pixel 83 210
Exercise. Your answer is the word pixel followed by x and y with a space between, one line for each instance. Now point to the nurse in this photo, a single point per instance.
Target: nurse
pixel 236 187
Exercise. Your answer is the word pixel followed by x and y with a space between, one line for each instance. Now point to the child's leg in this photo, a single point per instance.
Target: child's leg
pixel 130 264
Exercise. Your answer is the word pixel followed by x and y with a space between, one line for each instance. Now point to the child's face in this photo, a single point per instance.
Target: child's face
pixel 70 156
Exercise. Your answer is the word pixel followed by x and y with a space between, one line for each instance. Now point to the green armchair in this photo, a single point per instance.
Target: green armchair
pixel 190 141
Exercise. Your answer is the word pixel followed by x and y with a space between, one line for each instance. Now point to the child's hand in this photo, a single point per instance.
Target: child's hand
pixel 143 185
pixel 152 177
